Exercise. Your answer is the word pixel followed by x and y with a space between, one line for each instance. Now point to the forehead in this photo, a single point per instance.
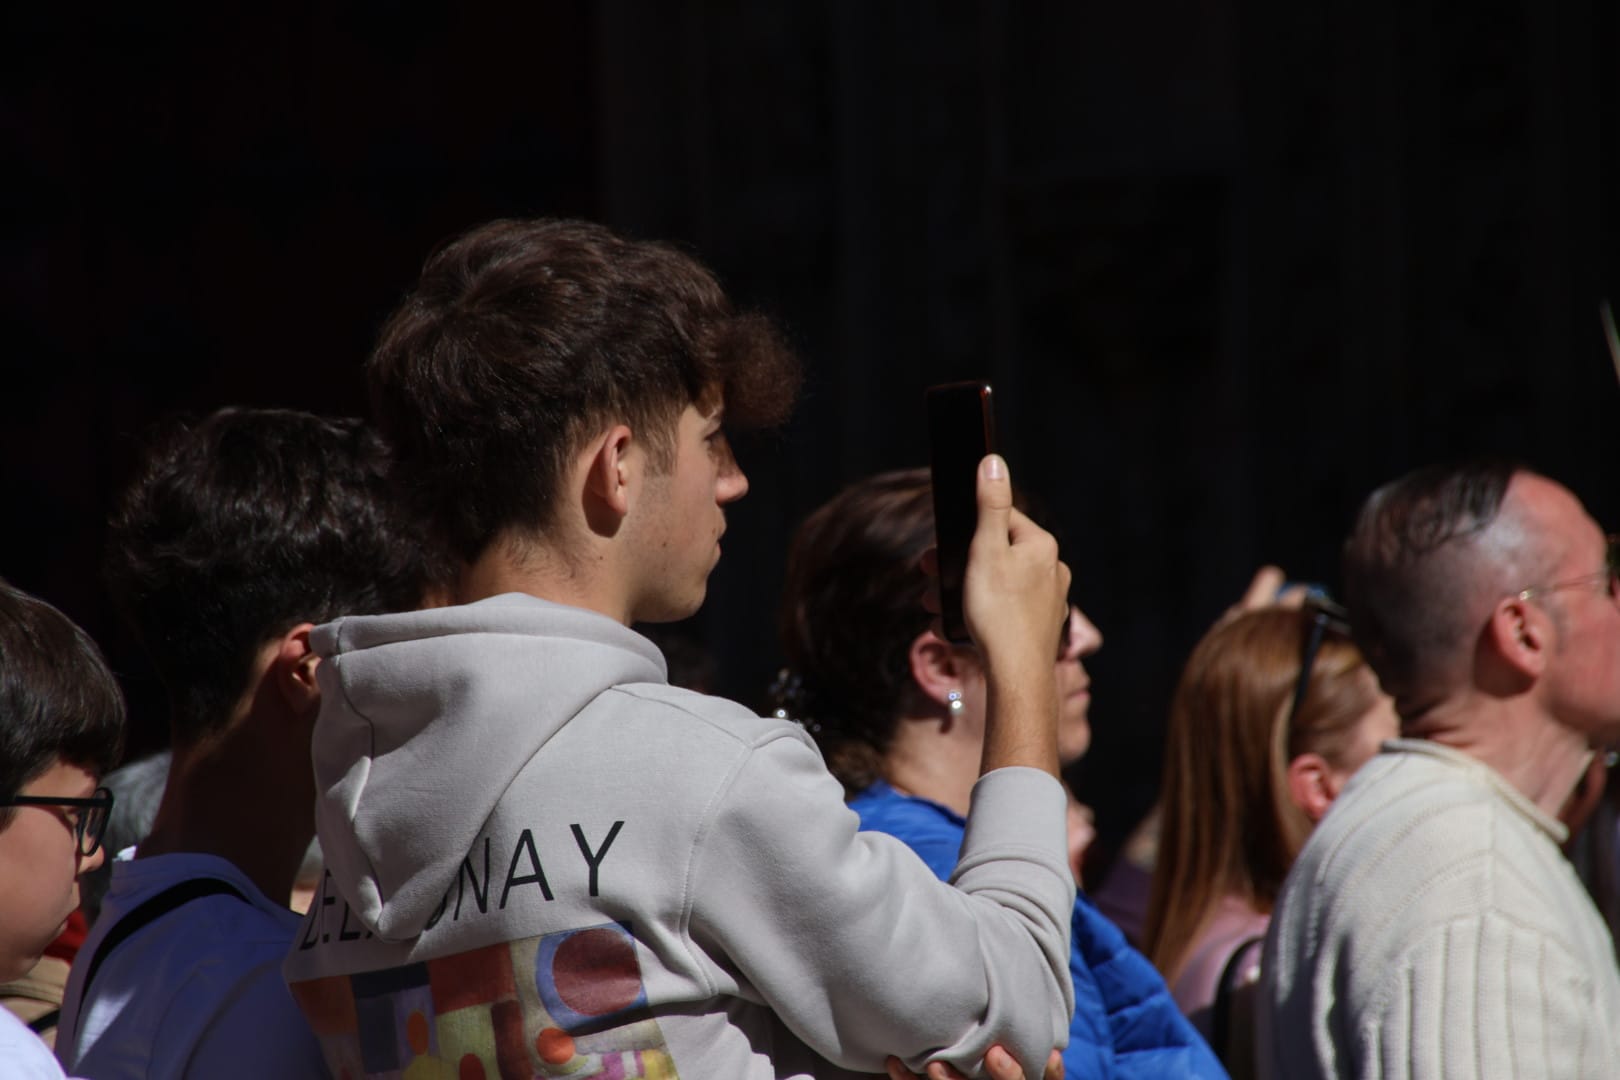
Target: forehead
pixel 694 418
pixel 1560 524
pixel 63 778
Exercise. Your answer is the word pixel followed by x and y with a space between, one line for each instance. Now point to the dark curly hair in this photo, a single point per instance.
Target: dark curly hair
pixel 241 527
pixel 524 337
pixel 58 701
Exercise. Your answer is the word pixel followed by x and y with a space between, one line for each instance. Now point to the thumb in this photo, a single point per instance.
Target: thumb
pixel 1001 1065
pixel 995 498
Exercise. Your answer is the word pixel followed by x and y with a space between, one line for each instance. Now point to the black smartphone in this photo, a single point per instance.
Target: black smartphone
pixel 961 431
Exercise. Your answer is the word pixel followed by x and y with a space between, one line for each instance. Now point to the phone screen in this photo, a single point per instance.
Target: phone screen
pixel 961 431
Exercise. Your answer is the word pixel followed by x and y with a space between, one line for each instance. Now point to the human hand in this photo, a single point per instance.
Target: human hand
pixel 1015 592
pixel 1266 590
pixel 1262 590
pixel 997 1063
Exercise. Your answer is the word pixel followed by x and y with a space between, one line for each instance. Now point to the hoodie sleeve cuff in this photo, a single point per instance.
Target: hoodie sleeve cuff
pixel 1017 809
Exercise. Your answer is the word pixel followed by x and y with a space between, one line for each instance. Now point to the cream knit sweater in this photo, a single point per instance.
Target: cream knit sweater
pixel 1432 928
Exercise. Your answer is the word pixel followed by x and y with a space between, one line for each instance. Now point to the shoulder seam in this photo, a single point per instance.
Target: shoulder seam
pixel 783 730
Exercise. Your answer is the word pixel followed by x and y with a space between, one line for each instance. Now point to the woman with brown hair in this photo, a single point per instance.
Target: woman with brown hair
pixel 899 714
pixel 1274 711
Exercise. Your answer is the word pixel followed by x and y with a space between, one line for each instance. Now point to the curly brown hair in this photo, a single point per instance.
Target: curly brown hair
pixel 523 337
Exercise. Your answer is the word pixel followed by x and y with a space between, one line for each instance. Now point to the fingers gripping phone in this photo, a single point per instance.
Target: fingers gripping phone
pixel 961 431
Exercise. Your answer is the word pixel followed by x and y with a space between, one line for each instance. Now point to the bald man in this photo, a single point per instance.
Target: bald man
pixel 1431 926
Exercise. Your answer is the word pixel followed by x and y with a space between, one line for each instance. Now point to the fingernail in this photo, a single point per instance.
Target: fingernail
pixel 995 468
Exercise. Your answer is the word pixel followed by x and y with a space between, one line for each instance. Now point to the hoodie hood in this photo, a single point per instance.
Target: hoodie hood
pixel 426 718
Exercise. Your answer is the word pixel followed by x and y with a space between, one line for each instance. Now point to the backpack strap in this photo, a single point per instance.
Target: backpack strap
pixel 148 911
pixel 1220 1025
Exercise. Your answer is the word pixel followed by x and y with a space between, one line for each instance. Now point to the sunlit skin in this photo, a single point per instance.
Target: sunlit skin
pixel 681 516
pixel 40 866
pixel 1376 725
pixel 1314 781
pixel 1584 681
pixel 999 1065
pixel 1540 687
pixel 639 542
pixel 1081 639
pixel 1074 687
pixel 937 754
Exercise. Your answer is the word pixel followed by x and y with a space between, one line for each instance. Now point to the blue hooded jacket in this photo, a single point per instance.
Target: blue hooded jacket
pixel 1125 1023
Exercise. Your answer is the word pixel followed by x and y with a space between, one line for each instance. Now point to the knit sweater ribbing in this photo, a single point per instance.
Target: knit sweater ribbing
pixel 1432 928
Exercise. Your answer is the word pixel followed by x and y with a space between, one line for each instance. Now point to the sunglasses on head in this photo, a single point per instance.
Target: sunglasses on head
pixel 1326 617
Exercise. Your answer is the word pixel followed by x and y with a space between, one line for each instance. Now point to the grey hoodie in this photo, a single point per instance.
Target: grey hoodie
pixel 544 860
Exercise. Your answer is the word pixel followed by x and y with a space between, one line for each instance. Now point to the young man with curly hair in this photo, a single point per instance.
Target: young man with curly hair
pixel 544 859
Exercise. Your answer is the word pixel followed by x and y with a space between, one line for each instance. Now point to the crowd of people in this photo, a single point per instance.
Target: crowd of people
pixel 433 806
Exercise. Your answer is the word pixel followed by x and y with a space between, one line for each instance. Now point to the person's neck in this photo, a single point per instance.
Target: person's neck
pixel 246 796
pixel 1529 748
pixel 932 762
pixel 547 571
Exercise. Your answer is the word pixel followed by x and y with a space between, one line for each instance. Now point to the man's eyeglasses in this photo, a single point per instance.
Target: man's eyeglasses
pixel 1326 617
pixel 1608 577
pixel 89 823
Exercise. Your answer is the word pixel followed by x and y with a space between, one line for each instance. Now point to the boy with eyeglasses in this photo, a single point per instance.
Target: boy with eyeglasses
pixel 61 728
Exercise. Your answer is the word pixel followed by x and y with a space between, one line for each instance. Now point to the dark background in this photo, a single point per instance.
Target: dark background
pixel 1230 266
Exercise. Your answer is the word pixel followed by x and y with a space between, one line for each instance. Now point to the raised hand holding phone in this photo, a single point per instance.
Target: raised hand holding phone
pixel 1010 595
pixel 1001 586
pixel 1014 592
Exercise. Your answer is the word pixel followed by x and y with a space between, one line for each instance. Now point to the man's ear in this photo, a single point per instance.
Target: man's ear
pixel 609 470
pixel 294 669
pixel 936 667
pixel 1312 784
pixel 1514 647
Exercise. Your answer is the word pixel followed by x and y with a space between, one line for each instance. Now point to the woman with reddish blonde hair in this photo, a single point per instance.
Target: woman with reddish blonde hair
pixel 1274 711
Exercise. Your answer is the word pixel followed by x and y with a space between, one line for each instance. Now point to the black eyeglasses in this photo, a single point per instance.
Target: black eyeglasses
pixel 1608 577
pixel 1326 617
pixel 88 824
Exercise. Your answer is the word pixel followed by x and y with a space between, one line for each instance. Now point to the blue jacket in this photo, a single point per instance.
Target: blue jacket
pixel 1125 1023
